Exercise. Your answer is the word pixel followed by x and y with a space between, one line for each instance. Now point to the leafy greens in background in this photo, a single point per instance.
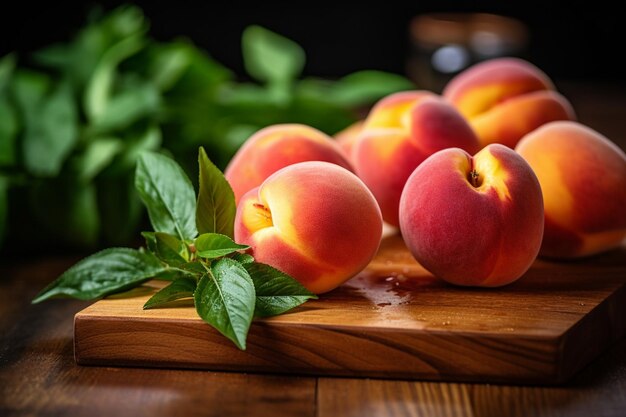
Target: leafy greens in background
pixel 71 129
pixel 227 286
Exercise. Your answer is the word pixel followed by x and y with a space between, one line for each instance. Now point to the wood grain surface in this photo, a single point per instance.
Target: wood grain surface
pixel 394 320
pixel 39 377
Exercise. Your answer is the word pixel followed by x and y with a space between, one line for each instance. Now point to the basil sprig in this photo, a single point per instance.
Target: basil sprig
pixel 227 286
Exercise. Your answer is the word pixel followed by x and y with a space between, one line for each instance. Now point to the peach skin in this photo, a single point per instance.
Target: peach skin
pixel 347 137
pixel 474 221
pixel 275 147
pixel 583 179
pixel 316 221
pixel 400 132
pixel 506 98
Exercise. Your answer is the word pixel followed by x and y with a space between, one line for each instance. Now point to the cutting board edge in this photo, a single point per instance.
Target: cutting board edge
pixel 544 351
pixel 572 359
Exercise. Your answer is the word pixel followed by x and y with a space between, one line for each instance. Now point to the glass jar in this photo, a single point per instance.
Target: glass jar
pixel 444 44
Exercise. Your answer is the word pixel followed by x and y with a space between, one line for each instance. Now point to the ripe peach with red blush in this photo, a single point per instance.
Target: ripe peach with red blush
pixel 316 221
pixel 400 132
pixel 474 221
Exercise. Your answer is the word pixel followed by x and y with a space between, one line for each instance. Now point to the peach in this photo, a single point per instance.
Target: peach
pixel 275 147
pixel 583 179
pixel 347 137
pixel 400 132
pixel 316 221
pixel 474 221
pixel 506 98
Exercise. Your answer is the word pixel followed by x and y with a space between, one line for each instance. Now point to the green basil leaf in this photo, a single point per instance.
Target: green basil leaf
pixel 51 133
pixel 242 258
pixel 127 107
pixel 215 211
pixel 235 136
pixel 172 273
pixel 313 104
pixel 168 195
pixel 186 270
pixel 203 71
pixel 105 272
pixel 193 268
pixel 29 88
pixel 100 86
pixel 365 87
pixel 180 288
pixel 135 143
pixel 7 65
pixel 246 96
pixel 170 249
pixel 4 205
pixel 150 238
pixel 270 57
pixel 56 56
pixel 225 299
pixel 8 132
pixel 8 118
pixel 214 245
pixel 124 21
pixel 168 64
pixel 97 156
pixel 276 292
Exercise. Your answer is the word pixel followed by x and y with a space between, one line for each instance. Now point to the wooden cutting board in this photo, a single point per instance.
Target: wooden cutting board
pixel 394 320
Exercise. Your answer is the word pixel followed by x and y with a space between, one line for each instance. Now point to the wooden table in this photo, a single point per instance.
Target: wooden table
pixel 38 375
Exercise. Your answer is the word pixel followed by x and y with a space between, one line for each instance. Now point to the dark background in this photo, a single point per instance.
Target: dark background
pixel 569 40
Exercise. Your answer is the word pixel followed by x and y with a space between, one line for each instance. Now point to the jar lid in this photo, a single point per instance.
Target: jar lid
pixel 476 30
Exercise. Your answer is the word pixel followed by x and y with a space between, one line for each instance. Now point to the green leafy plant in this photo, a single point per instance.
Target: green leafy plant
pixel 74 128
pixel 73 124
pixel 192 247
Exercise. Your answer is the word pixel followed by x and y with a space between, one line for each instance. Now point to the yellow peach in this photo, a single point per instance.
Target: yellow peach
pixel 275 147
pixel 506 98
pixel 316 221
pixel 583 179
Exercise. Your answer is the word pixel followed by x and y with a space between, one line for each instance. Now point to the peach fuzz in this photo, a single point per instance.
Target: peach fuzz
pixel 473 221
pixel 316 221
pixel 506 98
pixel 400 132
pixel 275 147
pixel 583 179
